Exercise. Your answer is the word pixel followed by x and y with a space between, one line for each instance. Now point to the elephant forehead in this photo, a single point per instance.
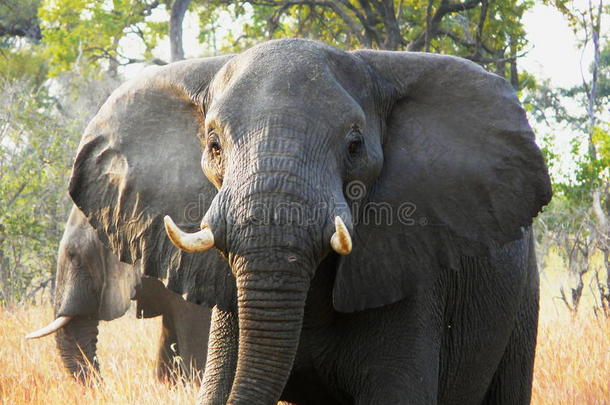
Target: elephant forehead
pixel 289 71
pixel 276 59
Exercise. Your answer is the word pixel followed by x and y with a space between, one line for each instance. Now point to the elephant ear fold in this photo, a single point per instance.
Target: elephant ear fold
pixel 119 286
pixel 462 174
pixel 151 298
pixel 139 161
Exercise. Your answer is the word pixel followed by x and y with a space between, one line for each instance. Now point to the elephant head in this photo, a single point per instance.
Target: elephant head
pixel 91 285
pixel 304 145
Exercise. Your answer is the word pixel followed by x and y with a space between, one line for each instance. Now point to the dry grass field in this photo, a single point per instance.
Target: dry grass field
pixel 572 364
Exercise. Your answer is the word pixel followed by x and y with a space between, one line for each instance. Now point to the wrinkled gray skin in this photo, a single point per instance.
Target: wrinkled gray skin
pixel 93 285
pixel 437 304
pixel 184 331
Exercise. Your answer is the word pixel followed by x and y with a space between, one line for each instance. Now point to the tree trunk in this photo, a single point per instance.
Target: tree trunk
pixel 175 29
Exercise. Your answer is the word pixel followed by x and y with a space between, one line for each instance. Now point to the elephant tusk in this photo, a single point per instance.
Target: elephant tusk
pixel 341 241
pixel 191 242
pixel 53 327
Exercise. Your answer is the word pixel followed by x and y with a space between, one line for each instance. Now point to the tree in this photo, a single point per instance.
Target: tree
pixel 593 171
pixel 488 32
pixel 92 29
pixel 35 161
pixel 18 18
pixel 73 29
pixel 585 194
pixel 39 131
pixel 178 11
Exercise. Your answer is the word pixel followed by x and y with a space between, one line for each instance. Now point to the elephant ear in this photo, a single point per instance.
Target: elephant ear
pixel 462 174
pixel 151 297
pixel 119 286
pixel 139 161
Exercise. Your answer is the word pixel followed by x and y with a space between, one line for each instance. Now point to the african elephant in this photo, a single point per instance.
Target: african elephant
pixel 371 213
pixel 93 285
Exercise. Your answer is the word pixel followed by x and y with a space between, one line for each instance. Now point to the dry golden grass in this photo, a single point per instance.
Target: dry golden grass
pixel 573 361
pixel 31 371
pixel 573 355
pixel 572 364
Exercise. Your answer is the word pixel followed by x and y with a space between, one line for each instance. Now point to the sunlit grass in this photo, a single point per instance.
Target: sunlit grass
pixel 572 364
pixel 573 355
pixel 31 371
pixel 573 361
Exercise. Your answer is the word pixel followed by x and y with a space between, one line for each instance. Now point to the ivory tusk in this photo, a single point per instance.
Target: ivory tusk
pixel 341 241
pixel 191 242
pixel 53 327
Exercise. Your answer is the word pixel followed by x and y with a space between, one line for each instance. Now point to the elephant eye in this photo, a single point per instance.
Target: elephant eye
pixel 354 144
pixel 214 146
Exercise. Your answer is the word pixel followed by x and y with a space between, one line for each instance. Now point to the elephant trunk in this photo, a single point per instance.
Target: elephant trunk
pixel 270 320
pixel 77 342
pixel 221 358
pixel 273 242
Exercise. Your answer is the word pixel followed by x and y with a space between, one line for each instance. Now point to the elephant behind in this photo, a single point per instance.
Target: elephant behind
pixel 93 285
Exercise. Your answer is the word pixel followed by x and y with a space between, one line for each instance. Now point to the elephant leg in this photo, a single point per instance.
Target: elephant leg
pixel 401 364
pixel 396 388
pixel 166 365
pixel 512 381
pixel 221 360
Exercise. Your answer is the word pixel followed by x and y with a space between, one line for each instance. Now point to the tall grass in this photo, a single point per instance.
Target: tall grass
pixel 31 371
pixel 572 363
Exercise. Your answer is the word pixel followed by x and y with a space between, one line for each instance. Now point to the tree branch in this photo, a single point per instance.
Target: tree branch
pixel 329 4
pixel 464 42
pixel 30 30
pixel 428 22
pixel 480 25
pixel 445 8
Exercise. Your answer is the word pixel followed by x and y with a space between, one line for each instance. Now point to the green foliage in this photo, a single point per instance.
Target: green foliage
pixel 589 145
pixel 577 220
pixel 490 33
pixel 92 29
pixel 35 149
pixel 39 132
pixel 603 89
pixel 502 25
pixel 16 12
pixel 25 61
